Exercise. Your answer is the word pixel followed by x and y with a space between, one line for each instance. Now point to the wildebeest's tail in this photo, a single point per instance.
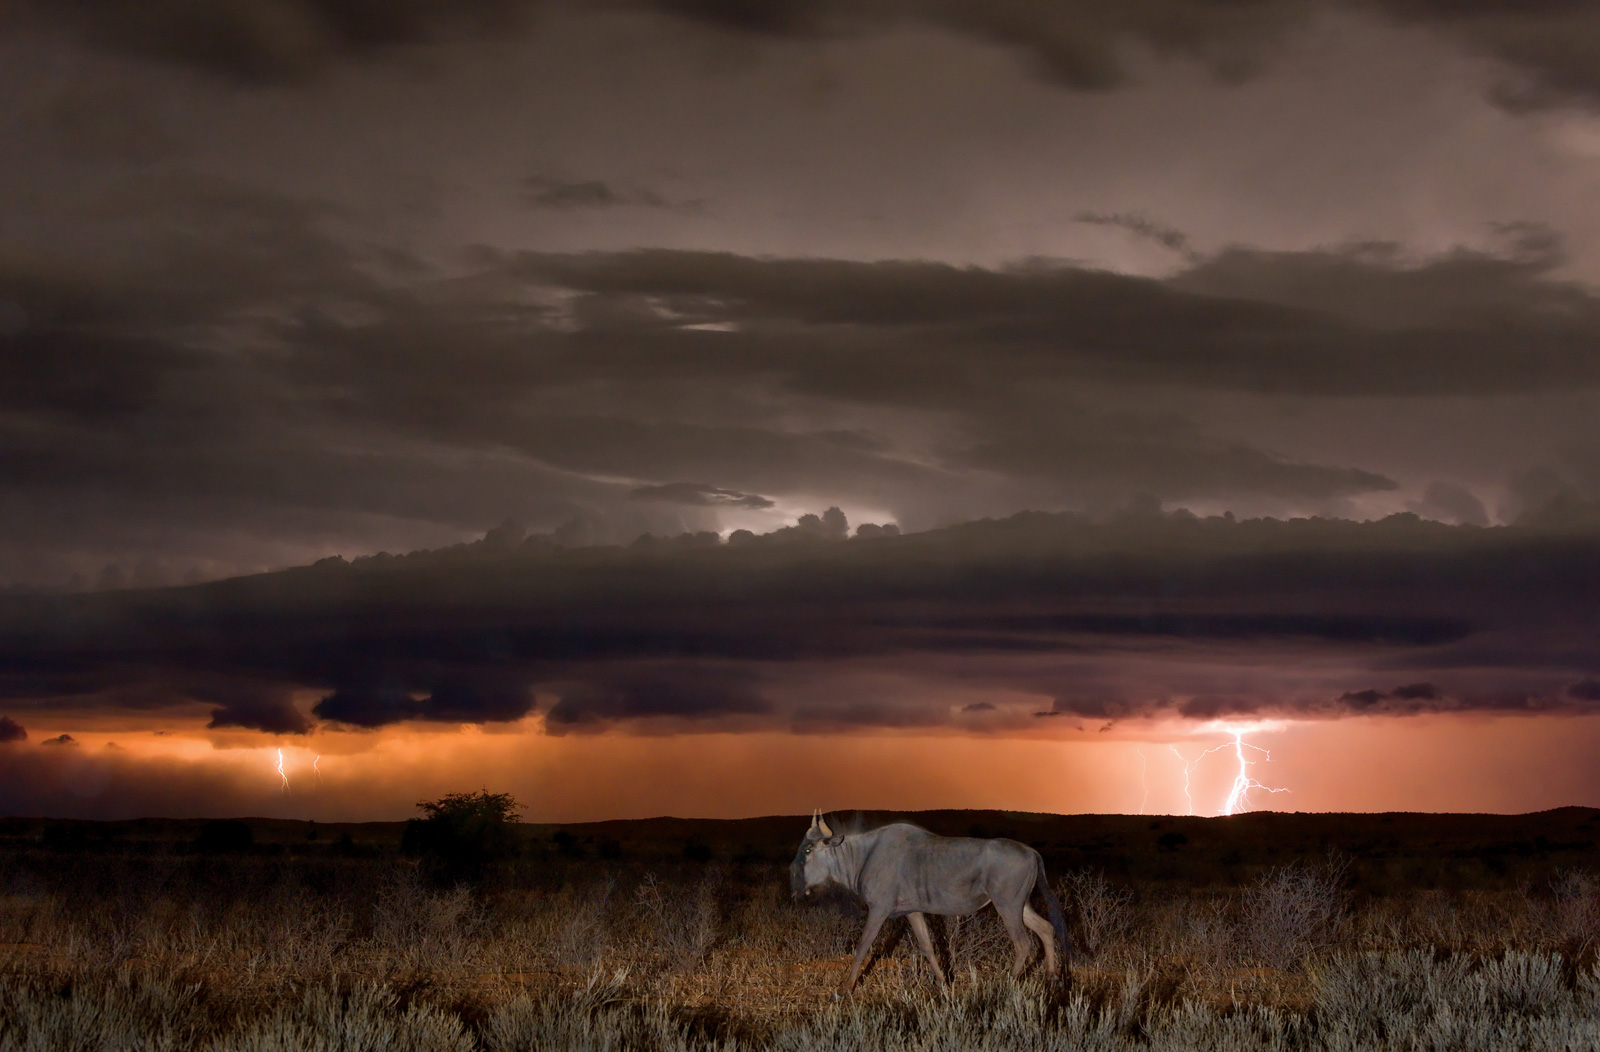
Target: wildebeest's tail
pixel 1057 920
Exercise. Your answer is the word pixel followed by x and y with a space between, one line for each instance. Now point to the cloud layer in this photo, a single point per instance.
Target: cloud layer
pixel 1145 616
pixel 284 383
pixel 1079 44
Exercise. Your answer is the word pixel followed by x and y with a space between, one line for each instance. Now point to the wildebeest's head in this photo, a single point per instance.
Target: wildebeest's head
pixel 810 868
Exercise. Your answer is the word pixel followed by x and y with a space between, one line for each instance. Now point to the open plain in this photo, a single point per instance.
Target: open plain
pixel 1260 931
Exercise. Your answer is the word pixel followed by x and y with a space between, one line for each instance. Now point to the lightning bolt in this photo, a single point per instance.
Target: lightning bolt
pixel 316 767
pixel 281 773
pixel 1188 770
pixel 1239 795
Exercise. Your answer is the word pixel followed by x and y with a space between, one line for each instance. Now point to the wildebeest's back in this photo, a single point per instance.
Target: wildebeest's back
pixel 921 872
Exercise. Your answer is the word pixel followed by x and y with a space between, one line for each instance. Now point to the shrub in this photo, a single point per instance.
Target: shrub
pixel 125 1010
pixel 365 1019
pixel 1101 910
pixel 1575 913
pixel 463 836
pixel 1292 911
pixel 427 930
pixel 581 935
pixel 684 926
pixel 225 834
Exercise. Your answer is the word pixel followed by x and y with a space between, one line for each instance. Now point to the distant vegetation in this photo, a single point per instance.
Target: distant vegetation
pixel 1424 932
pixel 463 837
pixel 224 834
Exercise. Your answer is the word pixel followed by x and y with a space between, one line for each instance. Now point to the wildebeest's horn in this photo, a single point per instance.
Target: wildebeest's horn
pixel 822 824
pixel 815 814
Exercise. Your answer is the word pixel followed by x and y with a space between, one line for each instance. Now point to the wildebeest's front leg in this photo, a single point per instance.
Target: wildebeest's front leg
pixel 875 919
pixel 919 927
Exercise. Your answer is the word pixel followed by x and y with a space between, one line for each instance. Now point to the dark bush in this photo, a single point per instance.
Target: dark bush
pixel 64 838
pixel 225 834
pixel 463 837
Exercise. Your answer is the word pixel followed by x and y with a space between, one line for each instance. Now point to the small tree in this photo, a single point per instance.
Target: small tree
pixel 463 837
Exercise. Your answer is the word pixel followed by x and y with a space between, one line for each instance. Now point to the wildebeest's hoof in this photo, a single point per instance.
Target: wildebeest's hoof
pixel 836 996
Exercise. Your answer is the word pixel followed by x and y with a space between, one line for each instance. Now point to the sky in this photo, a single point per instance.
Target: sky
pixel 1138 323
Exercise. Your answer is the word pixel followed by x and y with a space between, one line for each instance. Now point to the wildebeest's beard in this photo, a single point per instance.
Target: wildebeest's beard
pixel 797 873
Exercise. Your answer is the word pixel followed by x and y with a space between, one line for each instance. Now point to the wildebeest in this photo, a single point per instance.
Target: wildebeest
pixel 902 870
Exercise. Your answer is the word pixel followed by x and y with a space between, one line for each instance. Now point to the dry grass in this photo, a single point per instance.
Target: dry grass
pixel 251 952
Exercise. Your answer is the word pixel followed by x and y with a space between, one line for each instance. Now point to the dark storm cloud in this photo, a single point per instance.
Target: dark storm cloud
pixel 1097 705
pixel 252 707
pixel 227 362
pixel 1553 46
pixel 1168 457
pixel 858 713
pixel 368 706
pixel 700 495
pixel 470 695
pixel 666 691
pixel 145 405
pixel 1075 42
pixel 60 739
pixel 11 730
pixel 1363 320
pixel 97 124
pixel 478 697
pixel 1585 690
pixel 1360 628
pixel 1410 700
pixel 179 249
pixel 1151 614
pixel 275 41
pixel 86 377
pixel 1079 44
pixel 1212 707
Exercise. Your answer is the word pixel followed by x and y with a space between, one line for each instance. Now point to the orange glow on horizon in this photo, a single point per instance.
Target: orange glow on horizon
pixel 1422 763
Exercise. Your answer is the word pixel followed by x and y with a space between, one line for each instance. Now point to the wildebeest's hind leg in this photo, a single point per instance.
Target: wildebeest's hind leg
pixel 1019 937
pixel 1047 935
pixel 875 919
pixel 919 927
